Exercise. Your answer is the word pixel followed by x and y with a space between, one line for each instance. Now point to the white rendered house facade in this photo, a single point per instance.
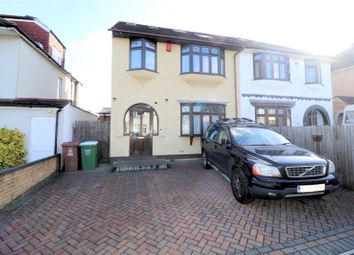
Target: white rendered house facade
pixel 282 89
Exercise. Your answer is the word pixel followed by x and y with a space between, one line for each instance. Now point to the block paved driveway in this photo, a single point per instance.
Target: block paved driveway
pixel 182 210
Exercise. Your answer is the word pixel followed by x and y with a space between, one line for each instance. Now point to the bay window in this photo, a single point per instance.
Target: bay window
pixel 273 116
pixel 202 59
pixel 142 54
pixel 196 117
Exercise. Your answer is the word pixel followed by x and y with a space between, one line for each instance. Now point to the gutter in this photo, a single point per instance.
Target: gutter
pixel 56 130
pixel 235 82
pixel 174 39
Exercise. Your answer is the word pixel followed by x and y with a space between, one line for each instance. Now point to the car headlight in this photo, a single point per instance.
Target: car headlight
pixel 331 167
pixel 259 169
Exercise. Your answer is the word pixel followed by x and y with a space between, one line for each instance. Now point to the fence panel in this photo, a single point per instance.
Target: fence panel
pixel 94 130
pixel 333 142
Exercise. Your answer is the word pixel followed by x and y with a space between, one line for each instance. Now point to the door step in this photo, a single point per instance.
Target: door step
pixel 139 165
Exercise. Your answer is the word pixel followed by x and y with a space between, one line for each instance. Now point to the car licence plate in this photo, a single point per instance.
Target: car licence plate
pixel 310 188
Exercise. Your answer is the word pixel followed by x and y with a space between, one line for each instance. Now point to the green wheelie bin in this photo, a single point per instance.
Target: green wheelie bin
pixel 89 155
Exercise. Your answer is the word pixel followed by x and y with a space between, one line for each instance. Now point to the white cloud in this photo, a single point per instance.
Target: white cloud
pixel 89 61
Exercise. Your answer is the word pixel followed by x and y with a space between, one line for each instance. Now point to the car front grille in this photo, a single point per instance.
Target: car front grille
pixel 305 171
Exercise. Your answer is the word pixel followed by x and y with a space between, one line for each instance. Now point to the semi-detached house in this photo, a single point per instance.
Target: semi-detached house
pixel 168 85
pixel 38 95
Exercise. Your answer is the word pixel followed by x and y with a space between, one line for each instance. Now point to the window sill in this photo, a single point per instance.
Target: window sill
pixel 314 86
pixel 196 78
pixel 142 74
pixel 269 79
pixel 152 135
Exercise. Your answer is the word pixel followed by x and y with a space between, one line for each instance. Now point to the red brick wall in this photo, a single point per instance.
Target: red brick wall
pixel 35 32
pixel 38 34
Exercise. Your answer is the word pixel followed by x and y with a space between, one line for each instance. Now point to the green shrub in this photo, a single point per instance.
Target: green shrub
pixel 12 151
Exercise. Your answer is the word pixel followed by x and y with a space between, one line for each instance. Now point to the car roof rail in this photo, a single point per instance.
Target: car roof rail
pixel 236 120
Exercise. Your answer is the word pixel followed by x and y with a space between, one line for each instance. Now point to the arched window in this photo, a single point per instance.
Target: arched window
pixel 316 116
pixel 142 120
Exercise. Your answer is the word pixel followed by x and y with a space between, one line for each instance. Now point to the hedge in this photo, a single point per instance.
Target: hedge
pixel 12 151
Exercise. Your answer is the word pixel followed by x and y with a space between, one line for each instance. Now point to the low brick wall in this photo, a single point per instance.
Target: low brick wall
pixel 16 181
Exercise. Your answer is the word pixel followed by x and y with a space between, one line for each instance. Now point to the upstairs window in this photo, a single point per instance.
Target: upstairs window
pixel 270 66
pixel 142 54
pixel 202 59
pixel 196 117
pixel 56 55
pixel 312 71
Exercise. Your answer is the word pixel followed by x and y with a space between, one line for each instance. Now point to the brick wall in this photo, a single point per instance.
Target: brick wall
pixel 39 34
pixel 16 181
pixel 35 32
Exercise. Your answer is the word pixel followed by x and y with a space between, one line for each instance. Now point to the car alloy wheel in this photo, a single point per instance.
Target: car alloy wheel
pixel 239 185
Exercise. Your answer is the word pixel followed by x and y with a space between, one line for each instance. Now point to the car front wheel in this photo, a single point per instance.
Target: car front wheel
pixel 205 161
pixel 239 185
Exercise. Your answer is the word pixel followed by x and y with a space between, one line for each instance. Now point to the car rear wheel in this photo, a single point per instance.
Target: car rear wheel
pixel 239 185
pixel 205 161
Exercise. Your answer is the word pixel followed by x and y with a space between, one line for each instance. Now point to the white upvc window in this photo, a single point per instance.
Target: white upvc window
pixel 59 87
pixel 56 55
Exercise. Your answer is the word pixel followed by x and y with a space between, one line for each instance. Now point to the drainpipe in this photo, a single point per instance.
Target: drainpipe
pixel 56 130
pixel 235 81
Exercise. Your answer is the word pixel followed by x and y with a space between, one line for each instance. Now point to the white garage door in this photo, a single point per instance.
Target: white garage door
pixel 42 138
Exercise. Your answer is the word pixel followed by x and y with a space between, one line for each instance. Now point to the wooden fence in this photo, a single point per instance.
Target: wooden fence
pixel 333 142
pixel 94 131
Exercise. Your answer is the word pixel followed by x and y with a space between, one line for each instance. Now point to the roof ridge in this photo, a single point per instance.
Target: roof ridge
pixel 127 28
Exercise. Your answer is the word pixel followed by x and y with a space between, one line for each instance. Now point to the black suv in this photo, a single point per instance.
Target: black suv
pixel 262 163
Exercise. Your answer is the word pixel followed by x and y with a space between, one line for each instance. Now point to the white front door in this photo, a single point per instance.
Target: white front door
pixel 42 138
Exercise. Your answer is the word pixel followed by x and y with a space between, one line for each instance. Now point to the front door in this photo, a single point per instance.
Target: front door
pixel 141 121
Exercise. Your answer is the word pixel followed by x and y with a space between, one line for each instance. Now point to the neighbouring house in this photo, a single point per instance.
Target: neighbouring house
pixel 104 114
pixel 40 34
pixel 343 82
pixel 168 85
pixel 37 95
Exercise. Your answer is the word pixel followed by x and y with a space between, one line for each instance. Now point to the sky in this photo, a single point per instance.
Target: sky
pixel 320 26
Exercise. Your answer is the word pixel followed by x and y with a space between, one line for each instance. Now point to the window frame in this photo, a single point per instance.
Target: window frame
pixel 220 57
pixel 56 55
pixel 59 91
pixel 143 48
pixel 286 114
pixel 263 63
pixel 317 69
pixel 208 112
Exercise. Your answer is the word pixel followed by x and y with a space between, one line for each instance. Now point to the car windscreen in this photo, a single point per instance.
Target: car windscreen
pixel 256 136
